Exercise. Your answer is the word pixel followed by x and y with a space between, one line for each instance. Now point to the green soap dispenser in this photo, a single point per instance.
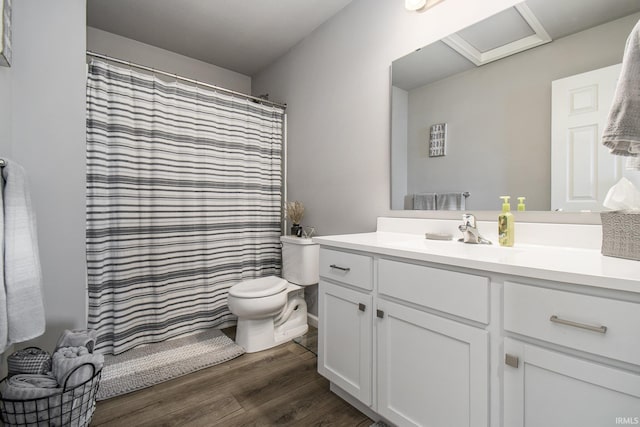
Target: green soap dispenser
pixel 505 223
pixel 521 207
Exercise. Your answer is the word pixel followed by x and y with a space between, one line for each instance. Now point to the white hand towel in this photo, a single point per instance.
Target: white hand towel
pixel 22 276
pixel 622 130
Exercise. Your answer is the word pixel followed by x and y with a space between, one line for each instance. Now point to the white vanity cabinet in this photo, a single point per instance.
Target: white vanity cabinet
pixel 476 335
pixel 431 370
pixel 345 322
pixel 546 385
pixel 424 368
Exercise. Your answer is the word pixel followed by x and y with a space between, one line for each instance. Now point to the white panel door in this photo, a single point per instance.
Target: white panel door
pixel 432 371
pixel 582 169
pixel 551 389
pixel 345 339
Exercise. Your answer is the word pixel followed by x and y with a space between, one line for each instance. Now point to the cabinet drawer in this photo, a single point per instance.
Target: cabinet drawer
pixel 352 269
pixel 596 325
pixel 461 294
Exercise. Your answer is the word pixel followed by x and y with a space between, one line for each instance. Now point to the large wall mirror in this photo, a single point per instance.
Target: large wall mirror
pixel 513 105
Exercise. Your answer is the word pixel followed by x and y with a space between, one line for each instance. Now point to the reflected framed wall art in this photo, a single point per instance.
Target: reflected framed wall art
pixel 438 140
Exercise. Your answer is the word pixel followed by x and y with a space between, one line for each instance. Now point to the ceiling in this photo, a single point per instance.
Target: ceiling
pixel 506 29
pixel 243 36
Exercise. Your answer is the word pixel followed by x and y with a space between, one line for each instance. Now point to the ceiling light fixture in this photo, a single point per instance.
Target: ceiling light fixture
pixel 414 5
pixel 420 5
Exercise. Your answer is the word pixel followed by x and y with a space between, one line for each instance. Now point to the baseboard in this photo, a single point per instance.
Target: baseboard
pixel 312 320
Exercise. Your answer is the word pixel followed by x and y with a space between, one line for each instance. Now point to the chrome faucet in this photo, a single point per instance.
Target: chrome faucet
pixel 470 233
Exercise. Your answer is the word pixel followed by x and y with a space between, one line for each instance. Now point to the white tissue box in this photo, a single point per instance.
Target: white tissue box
pixel 621 234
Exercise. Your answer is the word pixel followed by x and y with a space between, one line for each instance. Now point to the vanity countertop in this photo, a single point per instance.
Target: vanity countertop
pixel 561 264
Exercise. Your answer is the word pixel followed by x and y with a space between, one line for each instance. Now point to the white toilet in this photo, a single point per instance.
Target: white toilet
pixel 272 310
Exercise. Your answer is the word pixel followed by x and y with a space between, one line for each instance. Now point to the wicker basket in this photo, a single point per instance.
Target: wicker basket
pixel 621 234
pixel 72 407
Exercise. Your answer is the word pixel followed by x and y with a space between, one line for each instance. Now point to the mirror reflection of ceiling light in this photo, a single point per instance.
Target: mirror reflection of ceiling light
pixel 420 5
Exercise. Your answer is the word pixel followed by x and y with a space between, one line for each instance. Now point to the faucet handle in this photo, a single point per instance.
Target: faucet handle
pixel 469 220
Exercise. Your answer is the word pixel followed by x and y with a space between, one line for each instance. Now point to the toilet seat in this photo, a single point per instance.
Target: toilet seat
pixel 258 288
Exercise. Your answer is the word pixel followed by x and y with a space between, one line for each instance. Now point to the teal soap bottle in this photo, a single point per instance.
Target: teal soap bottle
pixel 505 224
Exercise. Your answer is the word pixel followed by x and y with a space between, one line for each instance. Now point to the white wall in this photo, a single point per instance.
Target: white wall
pixel 116 46
pixel 336 86
pixel 46 92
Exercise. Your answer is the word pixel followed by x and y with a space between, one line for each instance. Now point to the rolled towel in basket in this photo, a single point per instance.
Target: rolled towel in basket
pixel 67 365
pixel 29 387
pixel 78 338
pixel 26 398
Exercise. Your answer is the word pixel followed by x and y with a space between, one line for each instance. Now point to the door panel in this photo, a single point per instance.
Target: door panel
pixel 431 371
pixel 582 169
pixel 551 389
pixel 345 339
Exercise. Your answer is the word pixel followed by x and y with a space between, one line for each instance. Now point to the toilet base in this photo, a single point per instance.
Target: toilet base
pixel 260 334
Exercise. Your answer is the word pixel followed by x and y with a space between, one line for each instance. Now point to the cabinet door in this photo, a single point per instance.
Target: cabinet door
pixel 431 371
pixel 345 339
pixel 549 389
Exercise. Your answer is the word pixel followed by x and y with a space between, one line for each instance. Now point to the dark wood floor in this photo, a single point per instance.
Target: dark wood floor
pixel 279 386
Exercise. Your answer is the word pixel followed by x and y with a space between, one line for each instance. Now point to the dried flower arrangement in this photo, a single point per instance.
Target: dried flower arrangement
pixel 294 211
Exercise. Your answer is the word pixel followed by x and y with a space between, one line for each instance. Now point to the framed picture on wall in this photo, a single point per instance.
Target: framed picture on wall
pixel 5 33
pixel 438 140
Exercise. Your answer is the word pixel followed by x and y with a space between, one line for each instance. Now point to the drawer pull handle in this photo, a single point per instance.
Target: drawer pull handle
pixel 599 329
pixel 362 307
pixel 380 313
pixel 337 267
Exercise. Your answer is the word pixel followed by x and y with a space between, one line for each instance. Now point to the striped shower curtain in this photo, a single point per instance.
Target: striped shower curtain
pixel 183 201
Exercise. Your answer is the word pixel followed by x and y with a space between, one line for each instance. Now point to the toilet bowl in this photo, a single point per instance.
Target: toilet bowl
pixel 258 298
pixel 271 313
pixel 272 310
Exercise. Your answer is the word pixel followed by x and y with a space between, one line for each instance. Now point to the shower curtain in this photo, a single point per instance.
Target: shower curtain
pixel 183 201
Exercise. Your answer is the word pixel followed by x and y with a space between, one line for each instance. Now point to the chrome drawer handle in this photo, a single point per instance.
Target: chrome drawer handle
pixel 599 329
pixel 337 267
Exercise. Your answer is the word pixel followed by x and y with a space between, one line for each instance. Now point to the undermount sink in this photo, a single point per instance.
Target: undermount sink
pixel 454 247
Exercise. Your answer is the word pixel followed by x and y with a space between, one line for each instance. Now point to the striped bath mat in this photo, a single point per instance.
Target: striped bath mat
pixel 155 363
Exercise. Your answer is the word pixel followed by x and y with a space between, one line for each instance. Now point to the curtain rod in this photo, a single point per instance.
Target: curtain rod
pixel 186 79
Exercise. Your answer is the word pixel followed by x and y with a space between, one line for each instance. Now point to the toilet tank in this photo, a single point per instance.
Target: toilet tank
pixel 300 260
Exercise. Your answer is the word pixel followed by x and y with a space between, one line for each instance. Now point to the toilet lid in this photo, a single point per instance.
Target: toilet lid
pixel 256 288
